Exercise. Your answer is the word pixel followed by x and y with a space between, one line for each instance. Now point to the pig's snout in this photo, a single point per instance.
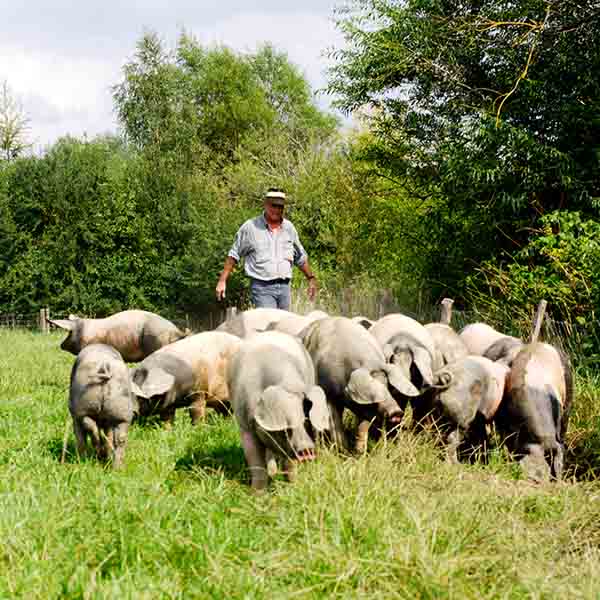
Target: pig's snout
pixel 307 454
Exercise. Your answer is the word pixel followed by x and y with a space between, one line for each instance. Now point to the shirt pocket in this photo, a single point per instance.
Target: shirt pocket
pixel 262 250
pixel 287 250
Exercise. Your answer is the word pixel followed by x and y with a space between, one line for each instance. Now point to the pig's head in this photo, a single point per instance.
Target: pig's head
pixel 73 325
pixel 285 420
pixel 414 360
pixel 154 389
pixel 368 395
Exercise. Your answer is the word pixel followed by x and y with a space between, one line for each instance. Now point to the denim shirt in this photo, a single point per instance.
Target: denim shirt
pixel 268 254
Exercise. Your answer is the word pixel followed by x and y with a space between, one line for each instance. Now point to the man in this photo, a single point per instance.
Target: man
pixel 270 246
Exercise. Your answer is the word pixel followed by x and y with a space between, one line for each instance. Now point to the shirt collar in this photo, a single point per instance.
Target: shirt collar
pixel 263 220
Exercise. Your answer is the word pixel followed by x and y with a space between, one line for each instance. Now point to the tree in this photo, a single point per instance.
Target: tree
pixel 14 126
pixel 215 99
pixel 489 110
pixel 480 96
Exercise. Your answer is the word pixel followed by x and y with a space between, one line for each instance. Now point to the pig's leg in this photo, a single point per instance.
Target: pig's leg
pixel 362 436
pixel 89 426
pixel 533 462
pixel 290 470
pixel 558 461
pixel 119 443
pixel 107 443
pixel 198 409
pixel 167 416
pixel 454 441
pixel 254 452
pixel 271 463
pixel 337 426
pixel 80 435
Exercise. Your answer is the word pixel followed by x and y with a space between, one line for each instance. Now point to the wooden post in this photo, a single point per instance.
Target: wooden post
pixel 446 311
pixel 46 323
pixel 537 321
pixel 42 320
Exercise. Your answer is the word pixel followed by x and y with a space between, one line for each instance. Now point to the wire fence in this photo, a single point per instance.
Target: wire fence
pixel 580 341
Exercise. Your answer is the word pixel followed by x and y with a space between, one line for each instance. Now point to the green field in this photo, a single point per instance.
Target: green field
pixel 179 521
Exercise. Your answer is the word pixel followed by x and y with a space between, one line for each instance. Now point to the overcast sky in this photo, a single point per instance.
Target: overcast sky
pixel 60 57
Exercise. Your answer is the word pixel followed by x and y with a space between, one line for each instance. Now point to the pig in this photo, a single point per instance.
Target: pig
pixel 534 414
pixel 191 372
pixel 276 402
pixel 251 321
pixel 449 345
pixel 409 345
pixel 478 337
pixel 294 324
pixel 135 334
pixel 101 401
pixel 469 402
pixel 353 372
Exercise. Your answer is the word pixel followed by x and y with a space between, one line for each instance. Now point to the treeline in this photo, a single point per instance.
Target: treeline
pixel 145 219
pixel 490 112
pixel 474 173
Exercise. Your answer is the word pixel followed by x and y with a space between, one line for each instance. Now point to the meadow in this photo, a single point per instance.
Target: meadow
pixel 179 520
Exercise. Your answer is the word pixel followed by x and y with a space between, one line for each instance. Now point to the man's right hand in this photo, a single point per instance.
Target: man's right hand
pixel 221 287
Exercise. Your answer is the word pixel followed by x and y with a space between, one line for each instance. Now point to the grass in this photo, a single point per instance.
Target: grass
pixel 179 521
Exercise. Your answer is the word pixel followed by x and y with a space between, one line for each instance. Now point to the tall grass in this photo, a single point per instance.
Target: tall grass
pixel 179 521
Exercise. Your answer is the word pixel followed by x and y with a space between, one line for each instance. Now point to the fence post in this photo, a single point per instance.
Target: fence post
pixel 446 311
pixel 230 312
pixel 537 320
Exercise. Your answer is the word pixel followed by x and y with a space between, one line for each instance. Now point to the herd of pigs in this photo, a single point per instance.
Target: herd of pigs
pixel 288 378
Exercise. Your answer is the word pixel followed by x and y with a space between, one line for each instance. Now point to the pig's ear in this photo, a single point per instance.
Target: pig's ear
pixel 137 390
pixel 157 382
pixel 63 323
pixel 399 381
pixel 319 412
pixel 73 317
pixel 491 399
pixel 277 410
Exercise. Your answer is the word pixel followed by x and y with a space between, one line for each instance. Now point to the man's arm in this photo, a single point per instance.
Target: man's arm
pixel 229 265
pixel 312 281
pixel 238 250
pixel 301 261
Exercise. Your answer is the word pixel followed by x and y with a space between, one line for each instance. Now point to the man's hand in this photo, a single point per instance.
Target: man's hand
pixel 312 289
pixel 221 287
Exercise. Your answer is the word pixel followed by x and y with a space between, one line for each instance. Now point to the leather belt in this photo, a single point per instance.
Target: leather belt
pixel 269 281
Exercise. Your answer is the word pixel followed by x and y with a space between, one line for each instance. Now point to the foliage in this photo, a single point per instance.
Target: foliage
pixel 103 225
pixel 196 97
pixel 560 264
pixel 91 228
pixel 490 109
pixel 481 96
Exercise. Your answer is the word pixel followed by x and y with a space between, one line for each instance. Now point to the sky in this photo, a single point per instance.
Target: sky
pixel 61 57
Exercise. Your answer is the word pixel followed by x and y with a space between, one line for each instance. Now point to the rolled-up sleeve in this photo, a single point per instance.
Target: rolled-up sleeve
pixel 300 255
pixel 240 245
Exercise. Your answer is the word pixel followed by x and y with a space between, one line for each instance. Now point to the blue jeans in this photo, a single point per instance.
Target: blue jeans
pixel 270 294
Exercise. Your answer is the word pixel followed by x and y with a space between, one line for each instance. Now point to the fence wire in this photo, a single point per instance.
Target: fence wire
pixel 580 341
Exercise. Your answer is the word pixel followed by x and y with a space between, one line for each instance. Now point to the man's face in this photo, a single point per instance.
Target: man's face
pixel 274 210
